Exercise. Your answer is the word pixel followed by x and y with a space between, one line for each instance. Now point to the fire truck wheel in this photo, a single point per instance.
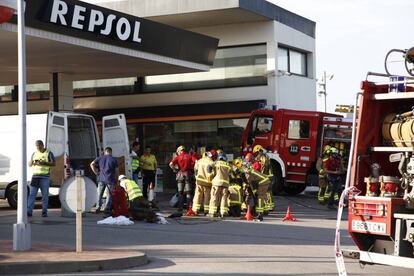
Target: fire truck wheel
pixel 277 185
pixel 295 188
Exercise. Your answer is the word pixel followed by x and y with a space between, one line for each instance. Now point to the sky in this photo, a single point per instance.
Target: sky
pixel 353 37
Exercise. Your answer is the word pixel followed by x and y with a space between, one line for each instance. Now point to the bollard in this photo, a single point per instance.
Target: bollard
pixel 79 182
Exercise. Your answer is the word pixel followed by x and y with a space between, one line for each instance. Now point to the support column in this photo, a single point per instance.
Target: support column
pixel 272 74
pixel 61 93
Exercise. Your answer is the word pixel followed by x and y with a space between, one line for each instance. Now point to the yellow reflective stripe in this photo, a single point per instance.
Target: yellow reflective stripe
pixel 222 165
pixel 264 180
pixel 258 175
pixel 203 180
pixel 239 195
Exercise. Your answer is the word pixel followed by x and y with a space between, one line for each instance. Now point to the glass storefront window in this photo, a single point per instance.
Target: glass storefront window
pixel 38 91
pixel 233 66
pixel 6 93
pixel 165 137
pixel 105 87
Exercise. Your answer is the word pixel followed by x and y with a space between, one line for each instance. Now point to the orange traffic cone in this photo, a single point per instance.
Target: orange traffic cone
pixel 248 215
pixel 289 216
pixel 190 212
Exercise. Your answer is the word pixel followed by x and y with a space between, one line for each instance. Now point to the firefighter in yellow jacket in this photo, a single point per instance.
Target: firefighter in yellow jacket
pixel 323 185
pixel 264 161
pixel 235 189
pixel 260 183
pixel 203 183
pixel 220 187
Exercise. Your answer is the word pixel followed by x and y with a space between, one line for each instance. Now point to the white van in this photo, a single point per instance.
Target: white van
pixel 73 139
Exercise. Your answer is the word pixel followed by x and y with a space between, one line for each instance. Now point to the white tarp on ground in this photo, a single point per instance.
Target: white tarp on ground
pixel 120 220
pixel 161 219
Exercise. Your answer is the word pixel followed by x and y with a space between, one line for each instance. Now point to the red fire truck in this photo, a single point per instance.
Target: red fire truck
pixel 381 211
pixel 294 140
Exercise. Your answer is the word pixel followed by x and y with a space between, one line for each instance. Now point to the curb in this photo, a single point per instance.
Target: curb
pixel 48 267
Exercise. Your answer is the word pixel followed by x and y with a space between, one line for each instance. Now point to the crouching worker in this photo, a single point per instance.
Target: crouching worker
pixel 139 207
pixel 235 189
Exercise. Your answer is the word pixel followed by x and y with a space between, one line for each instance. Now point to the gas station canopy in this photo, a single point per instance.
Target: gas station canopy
pixel 90 42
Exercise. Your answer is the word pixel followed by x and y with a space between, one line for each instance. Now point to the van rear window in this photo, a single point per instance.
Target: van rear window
pixel 111 123
pixel 57 120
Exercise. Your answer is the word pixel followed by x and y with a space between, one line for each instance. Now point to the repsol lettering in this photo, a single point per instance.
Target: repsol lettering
pixel 95 21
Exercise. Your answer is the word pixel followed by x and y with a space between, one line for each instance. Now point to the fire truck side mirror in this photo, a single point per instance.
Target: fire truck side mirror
pixel 409 55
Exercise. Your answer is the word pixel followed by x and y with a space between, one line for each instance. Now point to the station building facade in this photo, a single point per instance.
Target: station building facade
pixel 265 57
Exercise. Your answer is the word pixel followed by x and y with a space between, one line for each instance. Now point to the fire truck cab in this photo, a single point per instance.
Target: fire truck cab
pixel 294 140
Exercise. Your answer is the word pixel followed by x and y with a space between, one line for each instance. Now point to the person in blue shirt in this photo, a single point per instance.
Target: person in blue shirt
pixel 104 167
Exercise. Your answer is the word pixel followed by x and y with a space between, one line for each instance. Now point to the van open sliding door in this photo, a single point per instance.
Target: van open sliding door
pixel 115 135
pixel 56 138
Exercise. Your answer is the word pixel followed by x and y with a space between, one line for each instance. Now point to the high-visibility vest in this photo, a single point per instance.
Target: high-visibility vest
pixel 132 189
pixel 135 164
pixel 41 169
pixel 222 174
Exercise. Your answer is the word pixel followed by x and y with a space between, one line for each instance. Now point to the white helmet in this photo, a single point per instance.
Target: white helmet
pixel 121 176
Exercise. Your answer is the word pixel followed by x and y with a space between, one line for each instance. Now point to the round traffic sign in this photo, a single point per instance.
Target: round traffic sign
pixel 68 194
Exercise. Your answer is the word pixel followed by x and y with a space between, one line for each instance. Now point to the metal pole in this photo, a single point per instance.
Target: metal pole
pixel 324 88
pixel 21 230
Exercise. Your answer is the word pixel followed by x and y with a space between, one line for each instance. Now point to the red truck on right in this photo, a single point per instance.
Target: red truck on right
pixel 381 212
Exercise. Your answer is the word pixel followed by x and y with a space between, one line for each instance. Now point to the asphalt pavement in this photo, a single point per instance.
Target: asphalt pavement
pixel 202 246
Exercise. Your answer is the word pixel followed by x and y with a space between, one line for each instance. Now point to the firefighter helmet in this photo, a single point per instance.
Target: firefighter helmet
pixel 326 149
pixel 238 163
pixel 256 166
pixel 180 148
pixel 333 150
pixel 249 157
pixel 258 148
pixel 120 177
pixel 222 157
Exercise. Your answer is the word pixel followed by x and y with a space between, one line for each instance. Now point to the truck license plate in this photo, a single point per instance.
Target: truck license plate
pixel 369 227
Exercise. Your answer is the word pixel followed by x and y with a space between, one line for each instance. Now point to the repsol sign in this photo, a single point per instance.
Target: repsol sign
pixel 80 17
pixel 90 22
